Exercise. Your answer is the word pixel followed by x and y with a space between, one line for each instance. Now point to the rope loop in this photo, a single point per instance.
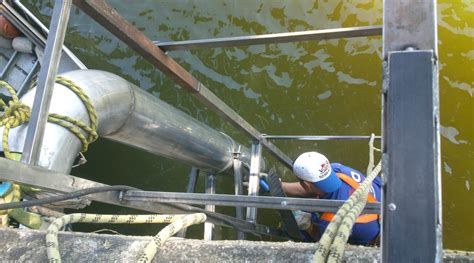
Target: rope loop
pixel 16 113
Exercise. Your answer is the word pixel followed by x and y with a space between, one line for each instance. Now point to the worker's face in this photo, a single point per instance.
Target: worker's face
pixel 310 187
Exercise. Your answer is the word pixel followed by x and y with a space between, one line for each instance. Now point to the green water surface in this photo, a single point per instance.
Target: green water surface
pixel 313 88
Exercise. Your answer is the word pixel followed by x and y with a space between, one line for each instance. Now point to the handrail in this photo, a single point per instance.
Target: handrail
pixel 309 35
pixel 318 137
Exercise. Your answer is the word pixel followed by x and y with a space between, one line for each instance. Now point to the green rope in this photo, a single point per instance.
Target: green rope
pixel 17 113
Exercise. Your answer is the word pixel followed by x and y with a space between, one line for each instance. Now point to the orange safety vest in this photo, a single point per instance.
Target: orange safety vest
pixel 365 218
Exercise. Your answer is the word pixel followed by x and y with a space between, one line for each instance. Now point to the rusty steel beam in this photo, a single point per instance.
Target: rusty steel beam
pixel 108 17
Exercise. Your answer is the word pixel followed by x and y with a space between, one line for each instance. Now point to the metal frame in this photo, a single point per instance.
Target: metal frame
pixel 10 62
pixel 254 178
pixel 268 202
pixel 38 177
pixel 47 76
pixel 192 181
pixel 105 15
pixel 272 38
pixel 210 186
pixel 238 189
pixel 411 148
pixel 319 137
pixel 410 67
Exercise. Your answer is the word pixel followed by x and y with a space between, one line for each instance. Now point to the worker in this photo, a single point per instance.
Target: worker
pixel 320 179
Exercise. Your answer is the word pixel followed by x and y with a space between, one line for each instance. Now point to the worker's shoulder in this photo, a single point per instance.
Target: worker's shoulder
pixel 340 168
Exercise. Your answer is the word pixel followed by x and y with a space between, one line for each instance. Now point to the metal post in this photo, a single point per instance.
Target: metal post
pixel 238 187
pixel 411 150
pixel 47 75
pixel 193 176
pixel 255 161
pixel 210 189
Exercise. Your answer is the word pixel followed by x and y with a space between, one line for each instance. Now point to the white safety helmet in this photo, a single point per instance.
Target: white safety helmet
pixel 315 168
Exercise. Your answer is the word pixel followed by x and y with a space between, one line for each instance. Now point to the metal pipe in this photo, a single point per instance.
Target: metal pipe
pixel 309 35
pixel 128 115
pixel 318 137
pixel 267 202
pixel 105 15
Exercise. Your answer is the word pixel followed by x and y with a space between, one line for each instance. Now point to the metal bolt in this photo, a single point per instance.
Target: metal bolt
pixel 284 203
pixel 392 207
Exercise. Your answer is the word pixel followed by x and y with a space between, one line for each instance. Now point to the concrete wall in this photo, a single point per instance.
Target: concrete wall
pixel 28 245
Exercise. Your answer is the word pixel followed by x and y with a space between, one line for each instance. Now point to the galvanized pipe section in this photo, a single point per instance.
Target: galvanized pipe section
pixel 131 116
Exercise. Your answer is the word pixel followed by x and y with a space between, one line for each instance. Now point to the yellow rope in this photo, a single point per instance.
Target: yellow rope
pixel 177 223
pixel 17 113
pixel 335 237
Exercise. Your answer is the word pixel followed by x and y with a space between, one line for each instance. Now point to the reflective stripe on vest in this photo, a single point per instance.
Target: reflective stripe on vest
pixel 365 218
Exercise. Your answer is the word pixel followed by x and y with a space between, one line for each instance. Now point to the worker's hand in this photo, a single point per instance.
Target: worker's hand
pixel 303 219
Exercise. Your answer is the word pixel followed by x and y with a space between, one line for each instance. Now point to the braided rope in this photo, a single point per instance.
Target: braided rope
pixel 177 223
pixel 337 248
pixel 337 232
pixel 17 113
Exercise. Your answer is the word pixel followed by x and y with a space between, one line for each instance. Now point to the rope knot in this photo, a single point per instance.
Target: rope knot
pixel 16 113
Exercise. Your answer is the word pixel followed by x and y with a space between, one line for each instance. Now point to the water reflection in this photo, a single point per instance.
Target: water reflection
pixel 326 87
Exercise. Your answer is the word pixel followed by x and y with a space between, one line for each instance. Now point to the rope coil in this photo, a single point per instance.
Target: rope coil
pixel 17 113
pixel 177 223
